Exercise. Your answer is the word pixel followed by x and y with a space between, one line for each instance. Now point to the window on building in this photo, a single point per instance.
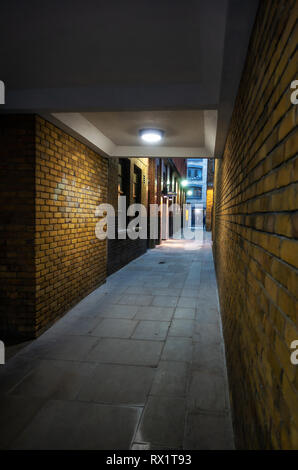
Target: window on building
pixel 120 180
pixel 170 182
pixel 123 177
pixel 164 180
pixel 197 192
pixel 196 173
pixel 137 185
pixel 199 173
pixel 123 187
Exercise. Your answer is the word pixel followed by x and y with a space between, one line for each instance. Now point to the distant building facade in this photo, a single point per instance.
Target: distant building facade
pixel 196 189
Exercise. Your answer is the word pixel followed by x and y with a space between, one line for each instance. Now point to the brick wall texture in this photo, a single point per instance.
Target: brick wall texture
pixel 255 227
pixel 71 181
pixel 50 257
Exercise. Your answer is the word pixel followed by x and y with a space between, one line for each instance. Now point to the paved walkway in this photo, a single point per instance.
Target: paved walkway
pixel 138 364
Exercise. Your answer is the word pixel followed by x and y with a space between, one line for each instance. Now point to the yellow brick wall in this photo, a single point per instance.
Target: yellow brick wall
pixel 255 236
pixel 209 205
pixel 71 180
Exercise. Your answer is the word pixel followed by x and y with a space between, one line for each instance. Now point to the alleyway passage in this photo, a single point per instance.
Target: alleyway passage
pixel 139 364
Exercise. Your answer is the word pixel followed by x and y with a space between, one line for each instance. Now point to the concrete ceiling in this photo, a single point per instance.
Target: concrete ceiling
pixel 108 67
pixel 182 128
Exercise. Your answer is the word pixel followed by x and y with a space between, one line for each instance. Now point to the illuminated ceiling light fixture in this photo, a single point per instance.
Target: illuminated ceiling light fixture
pixel 189 193
pixel 151 136
pixel 184 183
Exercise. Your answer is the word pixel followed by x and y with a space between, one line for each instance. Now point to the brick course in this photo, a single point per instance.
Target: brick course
pixel 255 227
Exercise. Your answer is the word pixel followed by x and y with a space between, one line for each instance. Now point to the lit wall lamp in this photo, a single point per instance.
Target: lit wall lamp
pixel 151 136
pixel 189 193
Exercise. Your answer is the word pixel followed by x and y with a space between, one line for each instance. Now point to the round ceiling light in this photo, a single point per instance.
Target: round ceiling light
pixel 151 136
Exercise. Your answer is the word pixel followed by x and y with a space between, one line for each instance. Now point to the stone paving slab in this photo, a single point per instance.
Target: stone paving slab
pixel 182 327
pixel 177 349
pixel 155 313
pixel 54 379
pixel 153 330
pixel 79 426
pixel 108 391
pixel 207 392
pixel 163 421
pixel 185 313
pixel 115 328
pixel 208 432
pixel 171 379
pixel 15 413
pixel 126 351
